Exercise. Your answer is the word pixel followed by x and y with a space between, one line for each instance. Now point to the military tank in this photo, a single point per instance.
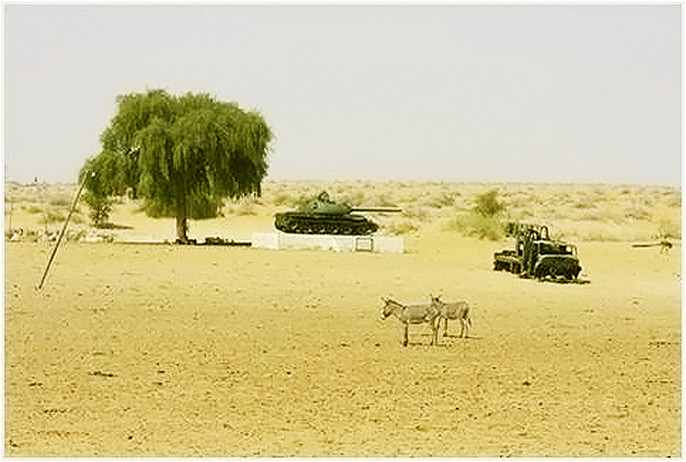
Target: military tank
pixel 321 215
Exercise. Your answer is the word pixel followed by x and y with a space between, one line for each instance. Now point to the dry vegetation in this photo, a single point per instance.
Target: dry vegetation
pixel 153 350
pixel 610 213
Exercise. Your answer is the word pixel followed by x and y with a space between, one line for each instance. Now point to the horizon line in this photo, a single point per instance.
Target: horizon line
pixel 412 181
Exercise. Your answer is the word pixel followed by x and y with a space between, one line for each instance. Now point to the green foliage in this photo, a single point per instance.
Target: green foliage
pixel 199 207
pixel 475 224
pixel 488 205
pixel 181 154
pixel 100 207
pixel 109 180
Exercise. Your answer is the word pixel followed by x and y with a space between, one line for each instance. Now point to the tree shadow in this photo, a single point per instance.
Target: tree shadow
pixel 113 226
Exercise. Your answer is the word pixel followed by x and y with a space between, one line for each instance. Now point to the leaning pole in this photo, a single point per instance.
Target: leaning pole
pixel 64 229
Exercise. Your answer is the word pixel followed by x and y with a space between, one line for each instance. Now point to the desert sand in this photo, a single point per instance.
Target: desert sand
pixel 160 350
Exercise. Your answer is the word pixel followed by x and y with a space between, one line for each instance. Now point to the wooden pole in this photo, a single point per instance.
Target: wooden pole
pixel 64 229
pixel 11 210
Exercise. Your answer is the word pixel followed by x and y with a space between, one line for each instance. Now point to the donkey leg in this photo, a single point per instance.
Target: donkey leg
pixel 406 339
pixel 445 330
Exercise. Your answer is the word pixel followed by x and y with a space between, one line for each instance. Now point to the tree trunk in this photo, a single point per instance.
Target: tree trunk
pixel 181 219
pixel 181 229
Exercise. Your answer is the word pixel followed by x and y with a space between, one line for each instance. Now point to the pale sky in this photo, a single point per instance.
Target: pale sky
pixel 542 93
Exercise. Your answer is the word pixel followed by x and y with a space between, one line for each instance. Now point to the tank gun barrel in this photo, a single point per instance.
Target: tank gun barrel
pixel 377 209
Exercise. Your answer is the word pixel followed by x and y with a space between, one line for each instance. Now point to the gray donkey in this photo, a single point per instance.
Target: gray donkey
pixel 452 310
pixel 412 314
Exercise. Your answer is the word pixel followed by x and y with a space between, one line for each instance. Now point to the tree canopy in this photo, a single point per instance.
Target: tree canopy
pixel 181 154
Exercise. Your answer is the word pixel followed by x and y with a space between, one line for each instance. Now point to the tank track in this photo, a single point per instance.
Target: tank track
pixel 294 223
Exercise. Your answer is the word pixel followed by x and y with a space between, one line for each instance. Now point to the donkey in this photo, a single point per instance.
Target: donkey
pixel 452 310
pixel 412 314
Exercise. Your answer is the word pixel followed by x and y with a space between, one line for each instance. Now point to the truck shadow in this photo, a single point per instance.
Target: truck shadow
pixel 452 336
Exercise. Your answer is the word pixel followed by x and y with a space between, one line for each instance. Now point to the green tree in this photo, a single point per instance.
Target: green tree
pixel 183 155
pixel 108 181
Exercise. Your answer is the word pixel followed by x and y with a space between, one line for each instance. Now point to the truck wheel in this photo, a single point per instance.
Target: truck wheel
pixel 545 270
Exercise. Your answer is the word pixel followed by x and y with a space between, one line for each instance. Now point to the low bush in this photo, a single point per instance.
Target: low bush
pixel 473 224
pixel 402 226
pixel 34 209
pixel 60 200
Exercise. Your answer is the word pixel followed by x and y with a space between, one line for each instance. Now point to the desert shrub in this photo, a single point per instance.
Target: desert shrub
pixel 474 224
pixel 100 207
pixel 674 199
pixel 668 229
pixel 527 213
pixel 488 205
pixel 417 212
pixel 77 218
pixel 591 216
pixel 637 212
pixel 247 208
pixel 282 198
pixel 243 207
pixel 300 200
pixel 668 222
pixel 60 200
pixel 402 226
pixel 441 199
pixel 34 209
pixel 54 215
pixel 382 200
pixel 355 197
pixel 583 204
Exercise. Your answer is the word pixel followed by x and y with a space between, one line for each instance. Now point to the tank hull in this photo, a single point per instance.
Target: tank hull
pixel 313 223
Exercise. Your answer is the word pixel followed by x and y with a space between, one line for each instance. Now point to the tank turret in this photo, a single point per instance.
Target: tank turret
pixel 321 215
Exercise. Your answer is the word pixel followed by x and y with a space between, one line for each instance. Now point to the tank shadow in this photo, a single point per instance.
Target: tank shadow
pixel 427 344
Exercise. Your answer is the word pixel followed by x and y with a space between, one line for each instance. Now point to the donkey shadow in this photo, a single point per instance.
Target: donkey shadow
pixel 451 337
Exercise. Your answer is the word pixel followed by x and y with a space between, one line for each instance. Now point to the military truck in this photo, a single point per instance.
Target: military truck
pixel 537 255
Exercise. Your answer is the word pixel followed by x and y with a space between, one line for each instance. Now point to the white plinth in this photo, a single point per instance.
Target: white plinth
pixel 282 241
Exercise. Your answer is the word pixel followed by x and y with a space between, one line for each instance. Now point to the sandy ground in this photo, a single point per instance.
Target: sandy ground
pixel 135 350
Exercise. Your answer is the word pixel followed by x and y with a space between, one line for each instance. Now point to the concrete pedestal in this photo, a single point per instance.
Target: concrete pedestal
pixel 282 241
